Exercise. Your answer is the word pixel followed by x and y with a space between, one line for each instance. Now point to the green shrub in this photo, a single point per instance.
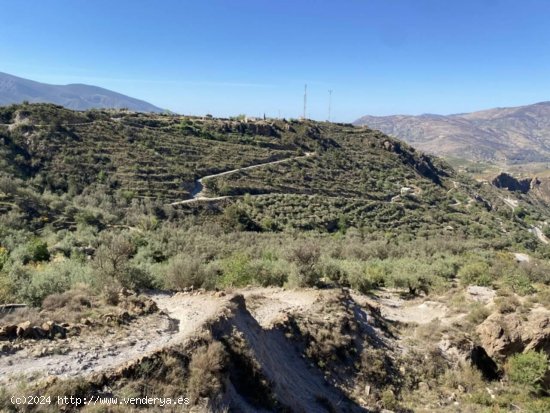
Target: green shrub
pixel 519 283
pixel 267 272
pixel 235 218
pixel 4 256
pixel 38 250
pixel 356 277
pixel 333 270
pixel 306 257
pixel 269 224
pixel 412 275
pixel 507 305
pixel 446 267
pixel 538 271
pixel 377 271
pixel 475 273
pixel 237 271
pixel 136 278
pixel 538 406
pixel 184 271
pixel 35 250
pixel 376 366
pixel 52 279
pixel 111 262
pixel 527 368
pixel 90 217
pixel 364 276
pixel 478 313
pixel 43 283
pixel 7 290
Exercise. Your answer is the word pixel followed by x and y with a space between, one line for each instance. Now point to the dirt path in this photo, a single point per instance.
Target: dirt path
pixel 199 192
pixel 513 204
pixel 92 352
pixel 540 235
pixel 415 311
pixel 100 350
pixel 188 310
pixel 267 304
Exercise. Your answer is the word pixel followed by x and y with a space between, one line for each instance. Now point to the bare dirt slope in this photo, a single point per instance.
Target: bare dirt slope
pixel 304 350
pixel 182 315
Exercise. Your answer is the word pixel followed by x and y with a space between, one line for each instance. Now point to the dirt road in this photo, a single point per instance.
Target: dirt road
pixel 198 193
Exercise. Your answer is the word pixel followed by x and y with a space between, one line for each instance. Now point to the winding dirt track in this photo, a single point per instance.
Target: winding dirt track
pixel 198 193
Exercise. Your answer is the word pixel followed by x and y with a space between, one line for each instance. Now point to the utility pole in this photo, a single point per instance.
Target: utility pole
pixel 305 101
pixel 329 103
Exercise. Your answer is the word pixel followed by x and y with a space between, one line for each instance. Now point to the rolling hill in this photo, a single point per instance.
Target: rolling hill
pixel 515 135
pixel 353 177
pixel 14 89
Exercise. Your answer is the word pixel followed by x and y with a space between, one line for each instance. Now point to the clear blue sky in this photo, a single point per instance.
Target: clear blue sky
pixel 227 57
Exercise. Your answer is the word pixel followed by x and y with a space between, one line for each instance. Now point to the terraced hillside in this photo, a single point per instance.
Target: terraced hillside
pixel 146 155
pixel 351 176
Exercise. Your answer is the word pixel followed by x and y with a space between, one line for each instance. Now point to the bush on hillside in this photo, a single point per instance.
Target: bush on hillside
pixel 184 271
pixel 306 257
pixel 528 368
pixel 412 275
pixel 475 273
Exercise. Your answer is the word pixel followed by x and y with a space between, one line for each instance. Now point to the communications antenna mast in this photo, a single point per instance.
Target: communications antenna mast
pixel 305 101
pixel 329 103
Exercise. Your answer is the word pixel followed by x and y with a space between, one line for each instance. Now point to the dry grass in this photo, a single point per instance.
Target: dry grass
pixel 72 300
pixel 20 315
pixel 506 305
pixel 478 314
pixel 205 371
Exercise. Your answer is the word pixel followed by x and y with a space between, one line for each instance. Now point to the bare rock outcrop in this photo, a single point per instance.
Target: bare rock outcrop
pixel 505 334
pixel 500 335
pixel 506 181
pixel 536 333
pixel 26 330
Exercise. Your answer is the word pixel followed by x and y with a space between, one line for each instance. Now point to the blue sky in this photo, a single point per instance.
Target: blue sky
pixel 228 57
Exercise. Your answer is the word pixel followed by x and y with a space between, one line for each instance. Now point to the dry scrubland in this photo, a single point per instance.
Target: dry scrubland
pixel 365 277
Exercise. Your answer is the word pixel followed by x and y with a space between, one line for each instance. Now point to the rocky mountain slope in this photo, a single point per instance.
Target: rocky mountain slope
pixel 75 96
pixel 504 135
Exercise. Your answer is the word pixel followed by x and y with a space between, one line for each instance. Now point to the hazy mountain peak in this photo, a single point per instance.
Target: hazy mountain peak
pixel 75 96
pixel 517 134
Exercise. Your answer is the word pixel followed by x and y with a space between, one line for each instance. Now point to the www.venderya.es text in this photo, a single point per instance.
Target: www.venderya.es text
pixel 99 400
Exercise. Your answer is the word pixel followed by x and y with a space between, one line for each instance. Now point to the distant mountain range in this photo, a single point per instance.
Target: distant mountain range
pixel 515 135
pixel 14 89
